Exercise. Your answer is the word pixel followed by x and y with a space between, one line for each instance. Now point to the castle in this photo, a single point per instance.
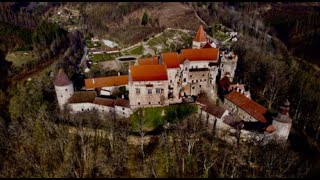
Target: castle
pixel 171 78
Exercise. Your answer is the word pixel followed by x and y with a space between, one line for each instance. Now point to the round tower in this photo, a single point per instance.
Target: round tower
pixel 63 87
pixel 282 123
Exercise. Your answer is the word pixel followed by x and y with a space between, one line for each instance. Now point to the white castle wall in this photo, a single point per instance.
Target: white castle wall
pixel 63 94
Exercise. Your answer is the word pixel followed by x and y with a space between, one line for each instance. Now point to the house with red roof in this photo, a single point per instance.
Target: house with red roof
pixel 148 85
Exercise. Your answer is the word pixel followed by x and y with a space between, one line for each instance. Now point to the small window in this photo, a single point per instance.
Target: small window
pixel 170 81
pixel 196 80
pixel 200 80
pixel 149 91
pixel 88 109
pixel 122 108
pixel 159 102
pixel 205 80
pixel 158 90
pixel 200 86
pixel 102 110
pixel 202 75
pixel 138 103
pixel 184 80
pixel 66 89
pixel 61 96
pixel 186 68
pixel 149 102
pixel 210 81
pixel 191 76
pixel 137 91
pixel 123 113
pixel 193 87
pixel 81 109
pixel 192 81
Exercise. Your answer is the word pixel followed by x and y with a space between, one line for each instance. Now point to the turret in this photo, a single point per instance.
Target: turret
pixel 228 65
pixel 200 39
pixel 282 123
pixel 63 87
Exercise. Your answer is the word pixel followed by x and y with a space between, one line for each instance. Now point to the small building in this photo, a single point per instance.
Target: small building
pixel 106 85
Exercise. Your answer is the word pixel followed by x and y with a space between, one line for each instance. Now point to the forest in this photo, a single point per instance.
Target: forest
pixel 36 140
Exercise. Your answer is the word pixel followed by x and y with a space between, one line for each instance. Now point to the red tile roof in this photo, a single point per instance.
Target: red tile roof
pixel 171 59
pixel 200 36
pixel 251 107
pixel 149 72
pixel 148 61
pixel 122 102
pixel 62 79
pixel 104 101
pixel 199 54
pixel 106 81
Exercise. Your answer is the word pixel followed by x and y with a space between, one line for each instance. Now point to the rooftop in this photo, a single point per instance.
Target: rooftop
pixel 62 79
pixel 106 81
pixel 251 107
pixel 171 59
pixel 83 97
pixel 200 36
pixel 122 102
pixel 148 72
pixel 104 101
pixel 148 61
pixel 209 106
pixel 207 54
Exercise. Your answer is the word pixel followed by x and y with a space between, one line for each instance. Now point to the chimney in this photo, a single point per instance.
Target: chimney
pixel 118 73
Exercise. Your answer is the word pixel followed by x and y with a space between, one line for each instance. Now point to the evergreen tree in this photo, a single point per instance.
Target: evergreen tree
pixel 145 19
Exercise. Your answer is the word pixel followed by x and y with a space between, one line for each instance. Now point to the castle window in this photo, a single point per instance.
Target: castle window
pixel 81 109
pixel 221 65
pixel 205 80
pixel 123 113
pixel 170 81
pixel 149 91
pixel 186 68
pixel 61 96
pixel 193 87
pixel 190 76
pixel 66 89
pixel 159 102
pixel 137 91
pixel 196 80
pixel 184 80
pixel 149 102
pixel 200 80
pixel 210 81
pixel 122 108
pixel 157 90
pixel 138 103
pixel 200 86
pixel 202 75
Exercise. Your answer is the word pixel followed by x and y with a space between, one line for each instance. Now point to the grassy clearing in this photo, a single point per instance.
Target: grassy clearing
pixel 20 58
pixel 101 57
pixel 137 51
pixel 153 117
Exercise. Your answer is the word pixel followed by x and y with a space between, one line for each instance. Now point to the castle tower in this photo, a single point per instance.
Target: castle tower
pixel 200 39
pixel 64 88
pixel 282 123
pixel 228 65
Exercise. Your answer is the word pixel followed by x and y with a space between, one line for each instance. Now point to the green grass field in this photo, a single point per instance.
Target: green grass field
pixel 19 58
pixel 137 51
pixel 153 118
